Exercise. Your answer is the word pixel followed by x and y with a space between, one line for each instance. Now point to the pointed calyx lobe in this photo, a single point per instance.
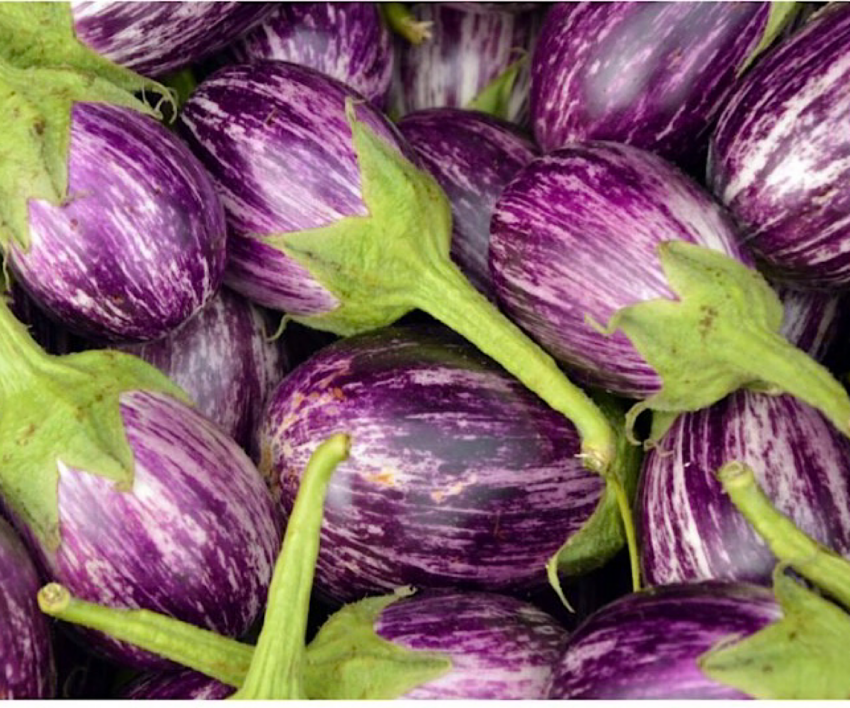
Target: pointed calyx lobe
pixel 62 410
pixel 44 70
pixel 721 334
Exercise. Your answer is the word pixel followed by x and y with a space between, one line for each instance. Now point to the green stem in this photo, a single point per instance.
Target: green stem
pixel 444 293
pixel 812 560
pixel 770 358
pixel 218 657
pixel 277 668
pixel 629 526
pixel 400 20
pixel 18 351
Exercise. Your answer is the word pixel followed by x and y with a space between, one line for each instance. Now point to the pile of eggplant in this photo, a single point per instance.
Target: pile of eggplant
pixel 454 350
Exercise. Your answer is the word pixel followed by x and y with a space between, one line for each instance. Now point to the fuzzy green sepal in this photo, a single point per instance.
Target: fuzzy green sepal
pixel 801 655
pixel 348 660
pixel 720 335
pixel 35 111
pixel 62 408
pixel 495 97
pixel 779 16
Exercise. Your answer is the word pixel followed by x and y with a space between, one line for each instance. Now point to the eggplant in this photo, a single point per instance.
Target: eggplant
pixel 653 75
pixel 125 493
pixel 26 652
pixel 689 529
pixel 347 41
pixel 624 268
pixel 469 54
pixel 429 645
pixel 473 156
pixel 331 222
pixel 812 320
pixel 777 158
pixel 179 685
pixel 90 260
pixel 646 645
pixel 224 360
pixel 458 477
pixel 155 38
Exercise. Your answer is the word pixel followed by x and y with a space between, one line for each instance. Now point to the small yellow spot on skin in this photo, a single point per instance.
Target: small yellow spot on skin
pixel 453 490
pixel 337 393
pixel 385 477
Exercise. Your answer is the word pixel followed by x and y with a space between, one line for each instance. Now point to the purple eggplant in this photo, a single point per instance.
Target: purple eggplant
pixel 646 645
pixel 333 223
pixel 473 156
pixel 26 652
pixel 653 75
pixel 174 685
pixel 126 494
pixel 468 52
pixel 778 159
pixel 623 267
pixel 812 320
pixel 224 360
pixel 689 528
pixel 457 476
pixel 154 38
pixel 347 41
pixel 431 645
pixel 92 262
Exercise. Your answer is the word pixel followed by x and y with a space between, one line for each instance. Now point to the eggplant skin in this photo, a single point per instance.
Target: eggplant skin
pixel 575 234
pixel 196 537
pixel 646 645
pixel 222 358
pixel 154 38
pixel 779 156
pixel 458 476
pixel 500 647
pixel 26 652
pixel 473 156
pixel 689 530
pixel 178 685
pixel 275 139
pixel 140 244
pixel 348 41
pixel 653 75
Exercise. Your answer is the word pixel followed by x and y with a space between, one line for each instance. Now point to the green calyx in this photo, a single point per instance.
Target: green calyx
pixel 401 20
pixel 44 70
pixel 720 335
pixel 802 654
pixel 779 15
pixel 347 659
pixel 495 97
pixel 611 525
pixel 64 409
pixel 396 258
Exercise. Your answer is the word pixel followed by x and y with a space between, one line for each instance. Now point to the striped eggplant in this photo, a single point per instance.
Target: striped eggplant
pixel 332 222
pixel 473 156
pixel 500 648
pixel 812 320
pixel 348 41
pixel 457 476
pixel 690 530
pixel 600 234
pixel 50 335
pixel 468 52
pixel 126 494
pixel 224 360
pixel 654 75
pixel 178 685
pixel 26 652
pixel 431 645
pixel 646 645
pixel 91 260
pixel 154 38
pixel 778 158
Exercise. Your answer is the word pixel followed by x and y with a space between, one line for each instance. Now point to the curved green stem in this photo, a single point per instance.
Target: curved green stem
pixel 218 657
pixel 277 668
pixel 629 526
pixel 772 359
pixel 812 560
pixel 447 295
pixel 400 20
